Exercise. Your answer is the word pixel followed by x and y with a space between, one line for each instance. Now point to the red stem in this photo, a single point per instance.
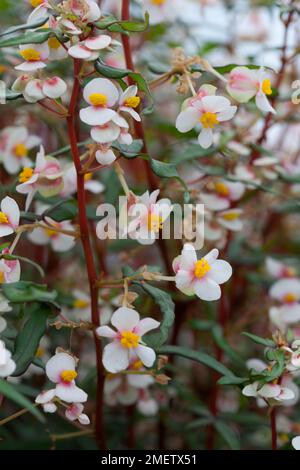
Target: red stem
pixel 273 428
pixel 86 244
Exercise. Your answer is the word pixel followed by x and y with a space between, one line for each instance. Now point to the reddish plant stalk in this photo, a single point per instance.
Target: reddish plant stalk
pixel 88 252
pixel 273 428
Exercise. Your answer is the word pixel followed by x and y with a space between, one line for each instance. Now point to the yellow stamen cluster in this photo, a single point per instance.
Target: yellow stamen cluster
pixel 40 352
pixel 132 102
pixel 231 216
pixel 54 43
pixel 137 365
pixel 3 218
pixel 80 303
pixel 201 268
pixel 158 2
pixel 129 340
pixel 20 150
pixel 88 176
pixel 35 3
pixel 221 189
pixel 98 99
pixel 25 175
pixel 30 55
pixel 209 120
pixel 266 87
pixel 155 223
pixel 289 297
pixel 1 277
pixel 68 375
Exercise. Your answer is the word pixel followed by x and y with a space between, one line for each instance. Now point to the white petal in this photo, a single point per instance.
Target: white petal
pixel 187 119
pixel 115 357
pixel 263 103
pixel 80 51
pixel 220 272
pixel 105 158
pixel 105 134
pixel 103 86
pixel 207 289
pixel 57 364
pixel 250 390
pixel 215 104
pixel 106 332
pixel 125 319
pixel 98 42
pixel 54 87
pixel 146 355
pixel 145 325
pixel 269 390
pixel 296 442
pixel 70 393
pixel 96 116
pixel 188 257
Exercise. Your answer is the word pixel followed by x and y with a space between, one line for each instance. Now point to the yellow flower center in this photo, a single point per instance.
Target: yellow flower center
pixel 291 272
pixel 231 216
pixel 158 2
pixel 266 87
pixel 98 99
pixel 221 189
pixel 129 340
pixel 88 176
pixel 2 68
pixel 289 298
pixel 40 352
pixel 35 3
pixel 1 277
pixel 31 55
pixel 3 218
pixel 201 268
pixel 137 365
pixel 68 375
pixel 54 43
pixel 155 223
pixel 80 303
pixel 25 175
pixel 20 150
pixel 133 102
pixel 209 120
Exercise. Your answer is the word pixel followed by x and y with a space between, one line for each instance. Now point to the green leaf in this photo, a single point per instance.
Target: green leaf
pixel 218 336
pixel 63 210
pixel 10 391
pixel 25 291
pixel 109 22
pixel 29 337
pixel 167 308
pixel 200 423
pixel 257 339
pixel 228 434
pixel 30 37
pixel 129 151
pixel 164 170
pixel 110 72
pixel 232 380
pixel 198 356
pixel 192 152
pixel 35 24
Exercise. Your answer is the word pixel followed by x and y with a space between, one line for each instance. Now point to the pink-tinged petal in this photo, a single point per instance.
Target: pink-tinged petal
pixel 269 391
pixel 146 355
pixel 184 279
pixel 227 113
pixel 120 121
pixel 38 236
pixel 176 264
pixel 106 332
pixel 220 271
pixel 79 51
pixel 263 103
pixel 236 190
pixel 215 104
pixel 15 273
pixel 214 203
pixel 125 319
pixel 105 158
pixel 242 84
pixel 105 134
pixel 32 141
pixel 145 325
pixel 98 42
pixel 5 230
pixel 70 393
pixel 84 419
pixel 45 396
pixel 62 242
pixel 205 138
pixel 188 257
pixel 250 390
pixel 103 86
pixel 139 381
pixel 34 90
pixel 115 357
pixel 256 364
pixel 286 394
pixel 54 87
pixel 290 313
pixel 212 255
pixel 207 289
pixel 96 116
pixel 285 286
pixel 57 364
pixel 30 66
pixel 132 112
pixel 187 119
pixel 94 12
pixel 112 384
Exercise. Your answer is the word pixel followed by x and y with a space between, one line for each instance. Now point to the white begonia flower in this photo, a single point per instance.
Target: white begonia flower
pixel 208 112
pixel 294 356
pixel 224 192
pixel 105 155
pixel 147 406
pixel 231 219
pixel 81 305
pixel 274 394
pixel 200 277
pixel 56 50
pixel 60 369
pixel 18 143
pixel 74 413
pixel 162 10
pixel 46 178
pixel 9 216
pixel 36 90
pixel 129 101
pixel 87 11
pixel 278 269
pixel 59 242
pixel 244 84
pixel 127 340
pixel 286 291
pixel 46 399
pixel 147 217
pixel 34 56
pixel 296 442
pixel 70 182
pixel 7 365
pixel 101 94
pixel 10 270
pixel 90 48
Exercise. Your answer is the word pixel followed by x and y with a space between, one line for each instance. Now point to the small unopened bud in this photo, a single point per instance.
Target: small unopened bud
pixel 162 362
pixel 162 379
